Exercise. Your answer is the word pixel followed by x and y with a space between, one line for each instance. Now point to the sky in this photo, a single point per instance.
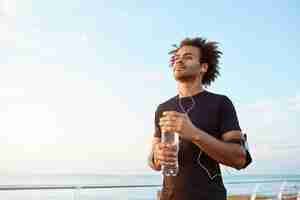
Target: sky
pixel 80 80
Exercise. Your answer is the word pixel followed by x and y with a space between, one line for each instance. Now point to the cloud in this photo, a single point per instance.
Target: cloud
pixel 294 104
pixel 153 76
pixel 7 23
pixel 272 127
pixel 268 113
pixel 62 116
pixel 12 12
pixel 15 8
pixel 8 32
pixel 11 92
pixel 84 37
pixel 8 8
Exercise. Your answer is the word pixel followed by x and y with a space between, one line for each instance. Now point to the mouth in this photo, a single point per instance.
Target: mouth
pixel 179 68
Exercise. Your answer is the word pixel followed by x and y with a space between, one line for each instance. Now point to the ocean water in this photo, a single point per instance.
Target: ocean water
pixel 235 184
pixel 79 180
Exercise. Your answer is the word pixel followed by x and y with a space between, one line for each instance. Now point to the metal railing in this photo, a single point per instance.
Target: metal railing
pixel 71 187
pixel 288 189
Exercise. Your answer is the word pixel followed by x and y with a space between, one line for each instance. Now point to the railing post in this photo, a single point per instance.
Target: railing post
pixel 253 195
pixel 281 190
pixel 76 193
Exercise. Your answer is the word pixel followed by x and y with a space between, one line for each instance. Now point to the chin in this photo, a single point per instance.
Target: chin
pixel 180 74
pixel 184 78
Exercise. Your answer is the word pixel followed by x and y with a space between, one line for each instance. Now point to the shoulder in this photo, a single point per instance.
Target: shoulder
pixel 221 98
pixel 165 105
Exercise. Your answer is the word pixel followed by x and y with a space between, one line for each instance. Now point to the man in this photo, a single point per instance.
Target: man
pixel 207 125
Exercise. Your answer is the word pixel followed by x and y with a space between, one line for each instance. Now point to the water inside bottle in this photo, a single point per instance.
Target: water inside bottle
pixel 173 139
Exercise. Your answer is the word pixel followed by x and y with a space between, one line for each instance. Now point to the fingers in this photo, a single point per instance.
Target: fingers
pixel 168 129
pixel 171 125
pixel 169 122
pixel 163 122
pixel 166 154
pixel 168 118
pixel 168 126
pixel 172 114
pixel 167 147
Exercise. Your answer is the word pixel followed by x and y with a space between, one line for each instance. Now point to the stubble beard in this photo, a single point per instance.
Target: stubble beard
pixel 186 77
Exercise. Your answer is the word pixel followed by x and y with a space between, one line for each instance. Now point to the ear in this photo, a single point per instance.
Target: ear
pixel 204 67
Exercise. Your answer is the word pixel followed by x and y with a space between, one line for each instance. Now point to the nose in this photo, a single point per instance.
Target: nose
pixel 178 61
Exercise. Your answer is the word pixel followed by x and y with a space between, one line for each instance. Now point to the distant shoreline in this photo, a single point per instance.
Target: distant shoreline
pixel 248 197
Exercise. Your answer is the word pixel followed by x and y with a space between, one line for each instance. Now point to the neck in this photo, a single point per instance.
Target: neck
pixel 186 89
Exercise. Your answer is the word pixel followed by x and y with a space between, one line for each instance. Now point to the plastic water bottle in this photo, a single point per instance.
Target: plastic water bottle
pixel 172 139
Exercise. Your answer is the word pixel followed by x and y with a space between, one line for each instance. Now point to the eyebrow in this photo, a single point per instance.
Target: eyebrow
pixel 185 54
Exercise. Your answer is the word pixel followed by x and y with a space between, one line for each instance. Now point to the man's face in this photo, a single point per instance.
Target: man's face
pixel 186 65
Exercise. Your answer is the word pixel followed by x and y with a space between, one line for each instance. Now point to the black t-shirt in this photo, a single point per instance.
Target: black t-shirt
pixel 199 175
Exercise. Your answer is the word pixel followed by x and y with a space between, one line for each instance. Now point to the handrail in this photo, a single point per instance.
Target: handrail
pixel 263 181
pixel 72 187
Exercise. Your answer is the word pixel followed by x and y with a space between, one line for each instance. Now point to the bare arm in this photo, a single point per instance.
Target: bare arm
pixel 161 153
pixel 224 152
pixel 152 161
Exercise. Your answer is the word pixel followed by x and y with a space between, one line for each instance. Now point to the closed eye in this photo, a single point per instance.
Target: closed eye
pixel 188 57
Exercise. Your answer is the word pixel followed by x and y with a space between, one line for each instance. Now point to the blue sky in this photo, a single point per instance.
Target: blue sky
pixel 80 80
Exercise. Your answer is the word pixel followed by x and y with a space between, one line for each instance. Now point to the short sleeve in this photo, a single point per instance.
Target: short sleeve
pixel 228 117
pixel 157 132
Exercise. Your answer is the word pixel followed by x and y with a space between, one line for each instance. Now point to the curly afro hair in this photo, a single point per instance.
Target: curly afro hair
pixel 209 54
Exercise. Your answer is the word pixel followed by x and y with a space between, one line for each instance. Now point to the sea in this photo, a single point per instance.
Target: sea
pixel 235 184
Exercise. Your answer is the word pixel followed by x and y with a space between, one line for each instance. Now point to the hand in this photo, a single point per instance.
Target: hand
pixel 165 154
pixel 173 121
